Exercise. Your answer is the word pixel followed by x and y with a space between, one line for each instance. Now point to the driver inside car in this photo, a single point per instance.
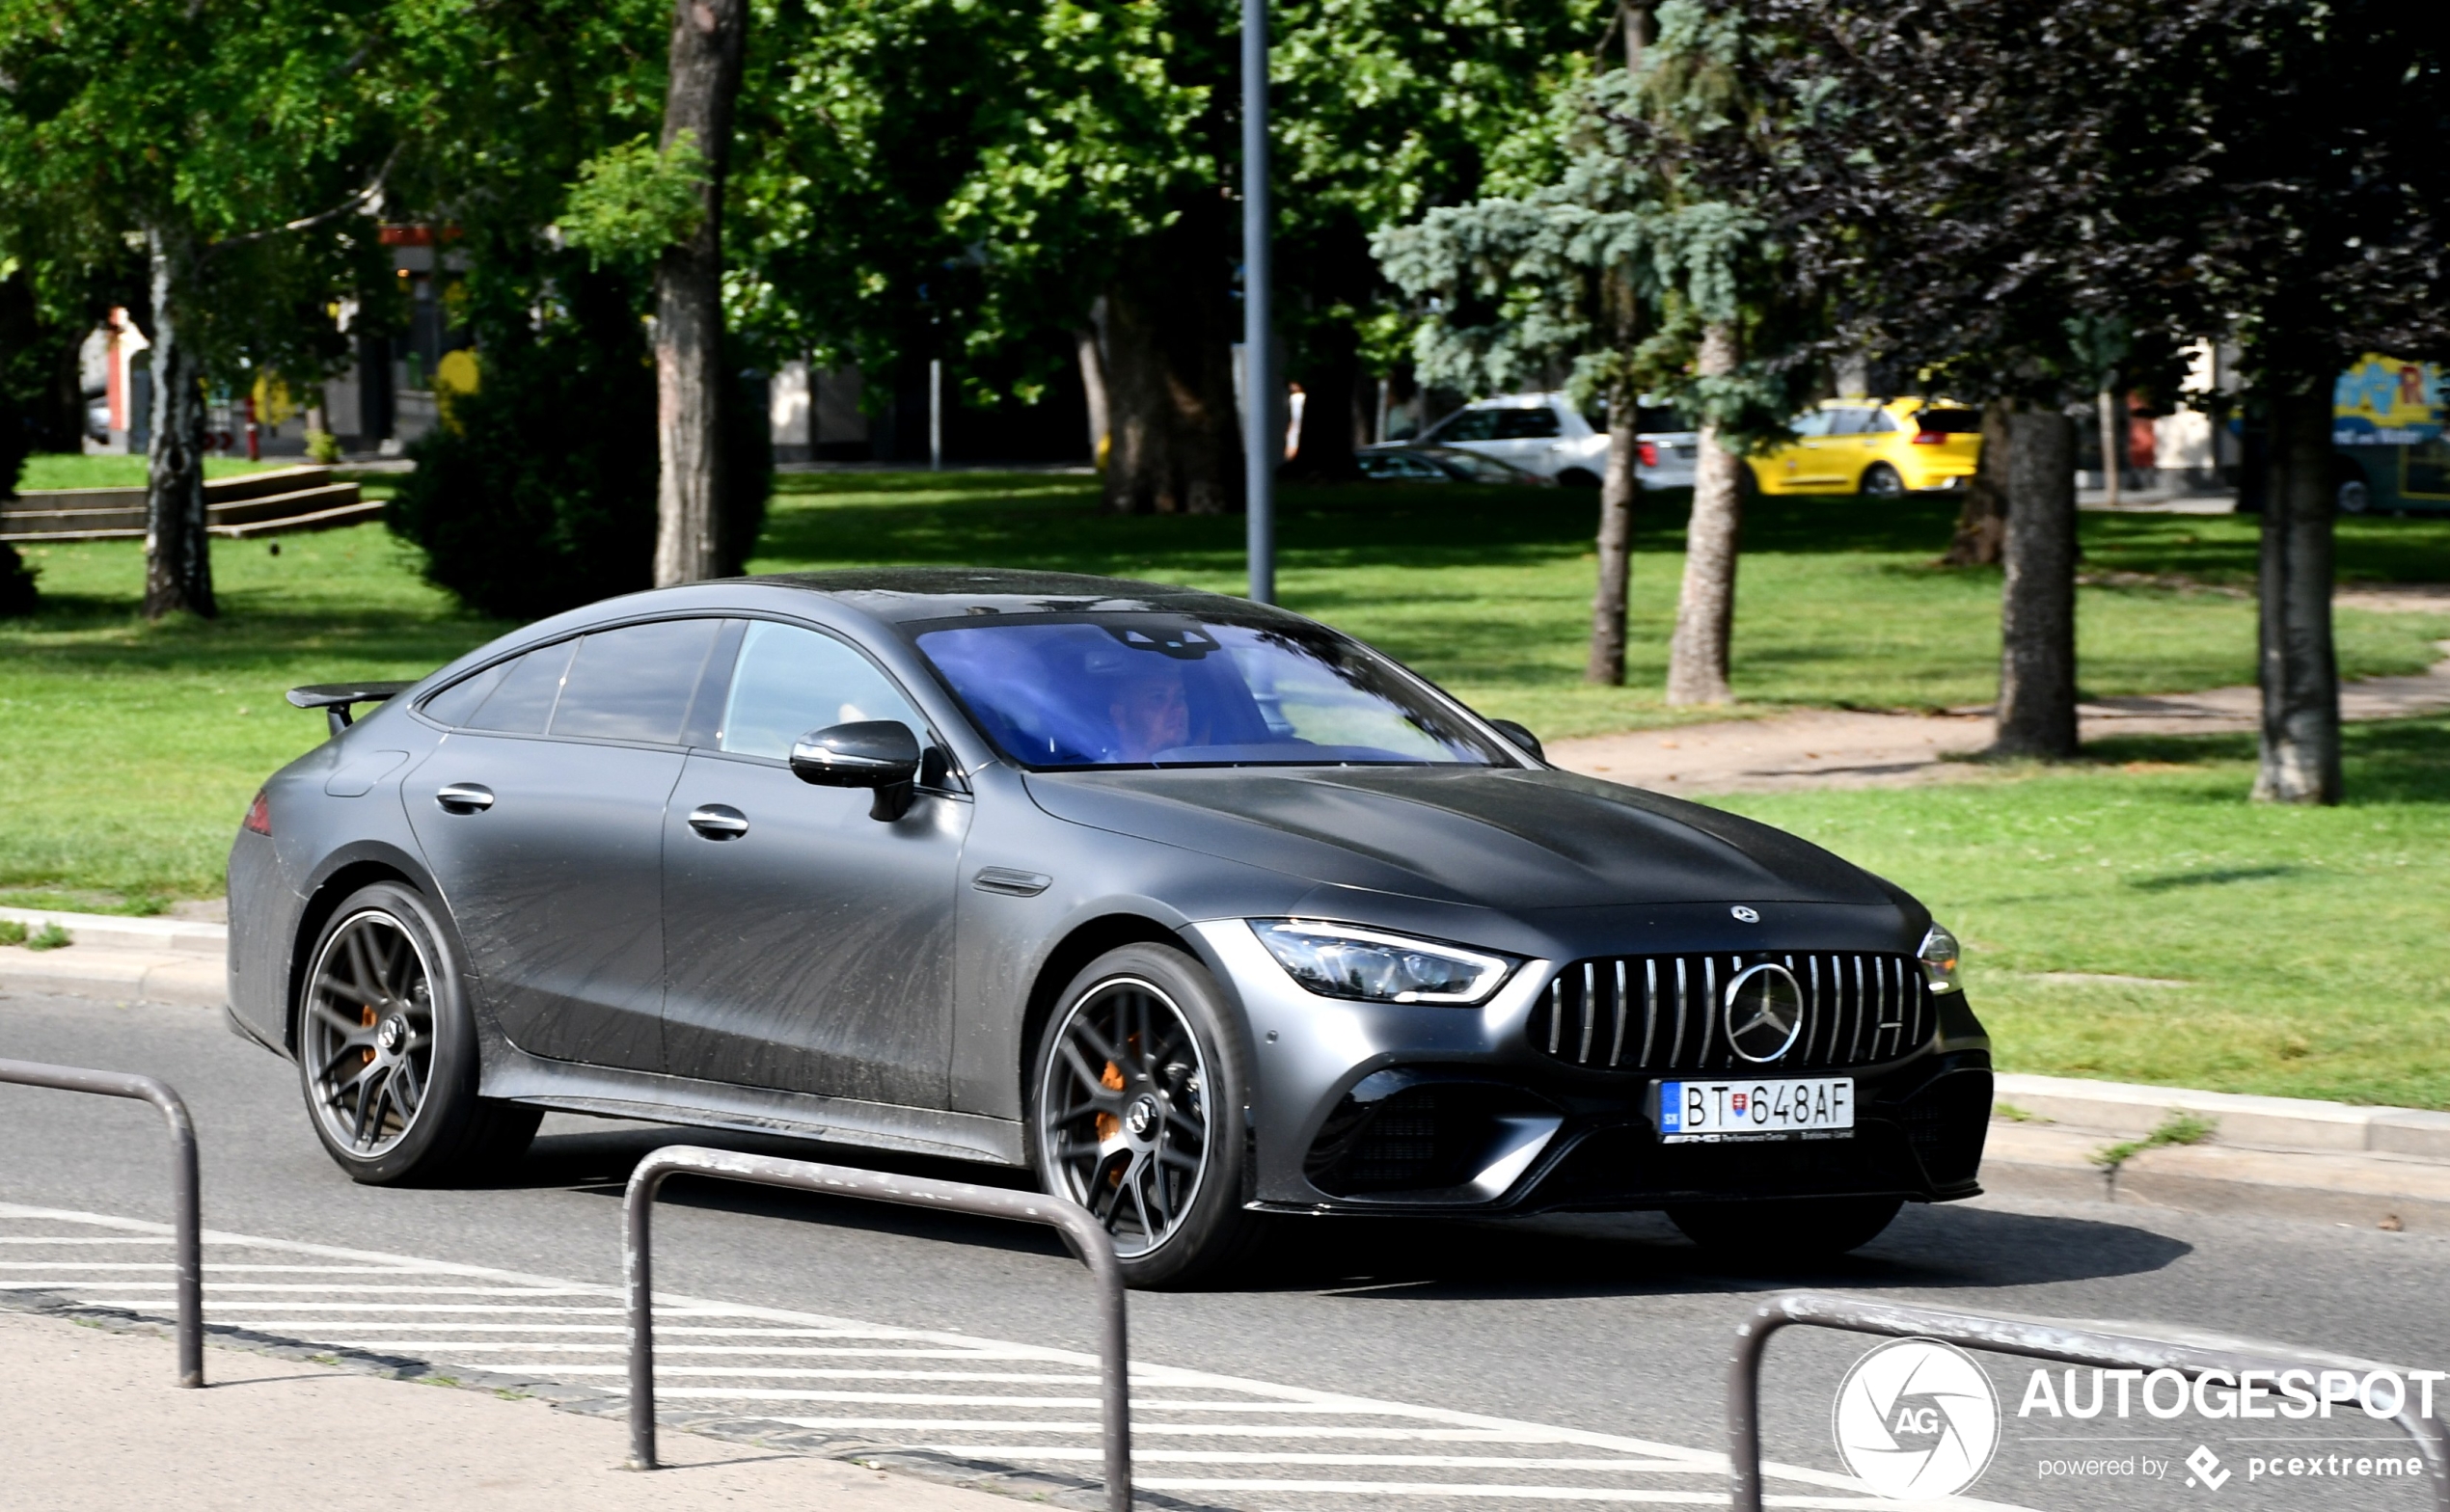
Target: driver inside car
pixel 1151 710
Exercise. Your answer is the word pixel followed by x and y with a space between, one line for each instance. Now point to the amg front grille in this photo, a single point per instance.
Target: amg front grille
pixel 1665 1012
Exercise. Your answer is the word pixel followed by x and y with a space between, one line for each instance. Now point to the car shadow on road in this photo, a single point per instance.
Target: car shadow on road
pixel 1635 1253
pixel 1941 1247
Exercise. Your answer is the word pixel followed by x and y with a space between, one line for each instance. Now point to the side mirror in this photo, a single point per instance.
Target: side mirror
pixel 882 754
pixel 1521 737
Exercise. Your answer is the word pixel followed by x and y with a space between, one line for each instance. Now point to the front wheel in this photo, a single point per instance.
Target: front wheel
pixel 2355 498
pixel 386 1050
pixel 1136 1113
pixel 1786 1228
pixel 1880 480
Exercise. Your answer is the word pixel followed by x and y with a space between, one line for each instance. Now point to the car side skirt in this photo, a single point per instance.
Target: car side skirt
pixel 605 1092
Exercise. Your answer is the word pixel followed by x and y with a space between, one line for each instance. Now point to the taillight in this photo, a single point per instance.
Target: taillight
pixel 259 814
pixel 1929 438
pixel 1648 451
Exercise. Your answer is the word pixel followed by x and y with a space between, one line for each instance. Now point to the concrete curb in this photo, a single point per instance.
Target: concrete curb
pixel 2290 1123
pixel 179 962
pixel 2284 1157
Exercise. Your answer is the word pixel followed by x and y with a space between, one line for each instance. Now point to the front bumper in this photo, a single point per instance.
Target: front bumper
pixel 1392 1108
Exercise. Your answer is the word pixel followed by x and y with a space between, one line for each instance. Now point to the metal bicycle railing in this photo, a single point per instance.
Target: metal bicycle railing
pixel 187 1218
pixel 2037 1339
pixel 1094 1246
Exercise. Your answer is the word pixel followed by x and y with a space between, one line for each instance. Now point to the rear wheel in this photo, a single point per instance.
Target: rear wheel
pixel 1136 1114
pixel 1786 1228
pixel 2354 497
pixel 1880 480
pixel 386 1050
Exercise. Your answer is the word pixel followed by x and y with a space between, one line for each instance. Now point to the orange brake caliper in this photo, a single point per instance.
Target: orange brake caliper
pixel 1109 1125
pixel 365 1020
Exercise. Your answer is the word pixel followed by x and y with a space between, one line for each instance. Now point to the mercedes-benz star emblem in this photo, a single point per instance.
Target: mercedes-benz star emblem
pixel 1764 1012
pixel 1745 914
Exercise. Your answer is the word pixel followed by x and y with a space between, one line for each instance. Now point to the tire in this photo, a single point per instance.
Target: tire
pixel 1776 1229
pixel 2355 498
pixel 1881 481
pixel 1578 477
pixel 386 1050
pixel 1136 1096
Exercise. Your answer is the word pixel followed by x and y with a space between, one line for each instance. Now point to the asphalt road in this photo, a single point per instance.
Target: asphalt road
pixel 1602 1326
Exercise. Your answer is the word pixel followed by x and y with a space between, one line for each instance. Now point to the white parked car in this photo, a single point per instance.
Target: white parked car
pixel 1545 433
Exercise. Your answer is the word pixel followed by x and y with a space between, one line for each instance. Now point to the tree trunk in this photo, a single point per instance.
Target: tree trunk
pixel 2037 605
pixel 707 44
pixel 1093 385
pixel 2113 456
pixel 1981 526
pixel 1174 445
pixel 2300 673
pixel 1619 491
pixel 178 550
pixel 1699 656
pixel 1333 417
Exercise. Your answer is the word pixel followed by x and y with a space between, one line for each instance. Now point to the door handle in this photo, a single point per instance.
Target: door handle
pixel 464 797
pixel 719 822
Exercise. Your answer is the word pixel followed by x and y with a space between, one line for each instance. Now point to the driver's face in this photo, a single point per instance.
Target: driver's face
pixel 1151 714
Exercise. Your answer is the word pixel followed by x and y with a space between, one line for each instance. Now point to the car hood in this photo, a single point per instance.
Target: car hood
pixel 1508 839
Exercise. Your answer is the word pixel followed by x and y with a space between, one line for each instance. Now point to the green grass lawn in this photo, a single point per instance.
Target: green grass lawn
pixel 128 751
pixel 2303 949
pixel 55 469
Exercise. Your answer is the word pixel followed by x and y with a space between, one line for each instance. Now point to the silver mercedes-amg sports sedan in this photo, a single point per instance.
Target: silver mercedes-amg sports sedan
pixel 1197 908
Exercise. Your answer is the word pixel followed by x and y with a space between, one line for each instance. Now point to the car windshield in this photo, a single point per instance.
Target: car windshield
pixel 1174 690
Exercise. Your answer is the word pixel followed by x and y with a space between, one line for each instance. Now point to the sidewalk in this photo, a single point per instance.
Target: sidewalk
pixel 2288 1157
pixel 92 1423
pixel 1812 750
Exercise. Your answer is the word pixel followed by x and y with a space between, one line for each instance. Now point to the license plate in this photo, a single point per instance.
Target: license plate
pixel 1714 1112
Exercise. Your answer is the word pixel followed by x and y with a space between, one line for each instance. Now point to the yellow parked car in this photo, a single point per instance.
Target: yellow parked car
pixel 1880 448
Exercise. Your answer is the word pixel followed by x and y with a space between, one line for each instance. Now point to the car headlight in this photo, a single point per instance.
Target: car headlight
pixel 1938 955
pixel 1340 961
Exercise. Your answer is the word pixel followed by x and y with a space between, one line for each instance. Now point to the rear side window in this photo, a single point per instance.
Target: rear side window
pixel 1949 422
pixel 1652 420
pixel 1469 425
pixel 1526 424
pixel 790 681
pixel 635 682
pixel 1852 421
pixel 516 697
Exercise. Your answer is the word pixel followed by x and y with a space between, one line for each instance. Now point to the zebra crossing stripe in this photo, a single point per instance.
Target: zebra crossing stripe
pixel 748 1360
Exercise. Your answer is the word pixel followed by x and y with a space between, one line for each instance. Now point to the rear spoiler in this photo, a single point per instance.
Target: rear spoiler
pixel 337 699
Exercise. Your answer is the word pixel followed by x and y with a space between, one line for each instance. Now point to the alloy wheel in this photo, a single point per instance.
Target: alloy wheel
pixel 369 1040
pixel 1123 1118
pixel 1881 481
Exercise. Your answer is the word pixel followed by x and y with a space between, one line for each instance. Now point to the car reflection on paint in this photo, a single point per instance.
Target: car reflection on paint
pixel 1198 909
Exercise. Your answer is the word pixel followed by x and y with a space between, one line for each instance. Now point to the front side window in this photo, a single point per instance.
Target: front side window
pixel 790 681
pixel 1816 423
pixel 1162 690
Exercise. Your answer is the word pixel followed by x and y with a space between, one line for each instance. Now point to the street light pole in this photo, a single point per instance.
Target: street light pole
pixel 1263 445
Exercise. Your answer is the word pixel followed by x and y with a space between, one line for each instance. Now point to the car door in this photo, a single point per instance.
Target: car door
pixel 1873 439
pixel 1823 443
pixel 808 946
pixel 541 814
pixel 1528 437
